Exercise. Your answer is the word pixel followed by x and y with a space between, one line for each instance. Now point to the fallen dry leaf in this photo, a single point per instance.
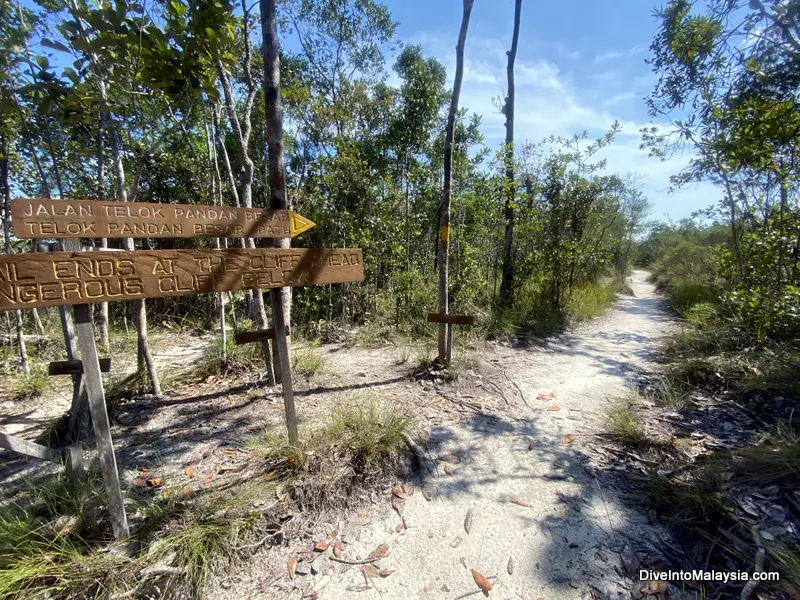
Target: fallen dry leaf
pixel 209 476
pixel 379 552
pixel 399 527
pixel 338 547
pixel 154 482
pixel 569 438
pixel 553 408
pixel 408 489
pixel 385 572
pixel 456 542
pixel 398 504
pixel 321 545
pixel 399 492
pixel 292 567
pixel 189 472
pixel 451 458
pixel 510 566
pixel 546 396
pixel 230 469
pixel 519 501
pixel 468 521
pixel 139 482
pixel 448 470
pixel 228 451
pixel 370 571
pixel 481 581
pixel 656 587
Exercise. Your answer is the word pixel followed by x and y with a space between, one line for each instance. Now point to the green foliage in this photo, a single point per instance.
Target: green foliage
pixel 592 300
pixel 33 384
pixel 369 432
pixel 45 544
pixel 623 425
pixel 307 360
pixel 229 359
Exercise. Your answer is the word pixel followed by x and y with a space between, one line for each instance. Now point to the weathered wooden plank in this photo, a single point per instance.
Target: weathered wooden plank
pixel 74 367
pixel 58 278
pixel 282 345
pixel 102 427
pixel 454 319
pixel 248 337
pixel 45 218
pixel 20 446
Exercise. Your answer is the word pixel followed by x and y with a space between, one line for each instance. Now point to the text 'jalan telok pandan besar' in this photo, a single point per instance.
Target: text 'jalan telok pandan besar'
pixel 99 218
pixel 31 280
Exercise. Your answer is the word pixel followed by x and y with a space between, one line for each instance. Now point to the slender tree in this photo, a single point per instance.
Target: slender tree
pixel 277 187
pixel 444 210
pixel 507 282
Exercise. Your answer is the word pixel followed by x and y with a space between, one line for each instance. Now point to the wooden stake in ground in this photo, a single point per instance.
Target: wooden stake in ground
pixel 444 214
pixel 449 321
pixel 278 199
pixel 102 428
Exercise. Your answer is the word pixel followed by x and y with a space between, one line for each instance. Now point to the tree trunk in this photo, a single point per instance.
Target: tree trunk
pixel 281 303
pixel 24 365
pixel 121 194
pixel 38 322
pixel 444 213
pixel 216 193
pixel 274 107
pixel 241 130
pixel 101 193
pixel 507 283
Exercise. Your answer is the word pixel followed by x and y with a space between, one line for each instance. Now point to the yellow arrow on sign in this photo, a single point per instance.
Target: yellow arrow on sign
pixel 298 224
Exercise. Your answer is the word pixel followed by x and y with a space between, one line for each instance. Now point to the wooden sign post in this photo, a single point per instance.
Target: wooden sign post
pixel 450 320
pixel 83 278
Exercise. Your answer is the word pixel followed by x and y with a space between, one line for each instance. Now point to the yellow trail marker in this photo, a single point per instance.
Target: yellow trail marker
pixel 298 224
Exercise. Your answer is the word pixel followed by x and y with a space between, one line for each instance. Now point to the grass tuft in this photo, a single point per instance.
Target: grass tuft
pixel 33 384
pixel 228 360
pixel 623 425
pixel 591 300
pixel 308 361
pixel 371 433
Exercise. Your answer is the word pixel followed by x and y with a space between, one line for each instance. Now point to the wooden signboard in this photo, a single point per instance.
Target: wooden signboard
pixel 75 367
pixel 45 218
pixel 53 279
pixel 453 319
pixel 450 320
pixel 248 337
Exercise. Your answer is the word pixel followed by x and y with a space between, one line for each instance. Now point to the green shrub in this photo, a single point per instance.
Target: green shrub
pixel 33 384
pixel 623 426
pixel 308 361
pixel 230 359
pixel 591 300
pixel 683 295
pixel 371 433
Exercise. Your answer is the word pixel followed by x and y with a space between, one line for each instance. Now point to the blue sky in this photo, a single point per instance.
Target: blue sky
pixel 580 65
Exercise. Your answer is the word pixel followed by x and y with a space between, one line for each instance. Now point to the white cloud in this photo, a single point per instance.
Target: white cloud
pixel 538 73
pixel 552 101
pixel 607 56
pixel 617 54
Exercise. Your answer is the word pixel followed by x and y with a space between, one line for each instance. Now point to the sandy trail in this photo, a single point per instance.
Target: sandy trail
pixel 577 523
